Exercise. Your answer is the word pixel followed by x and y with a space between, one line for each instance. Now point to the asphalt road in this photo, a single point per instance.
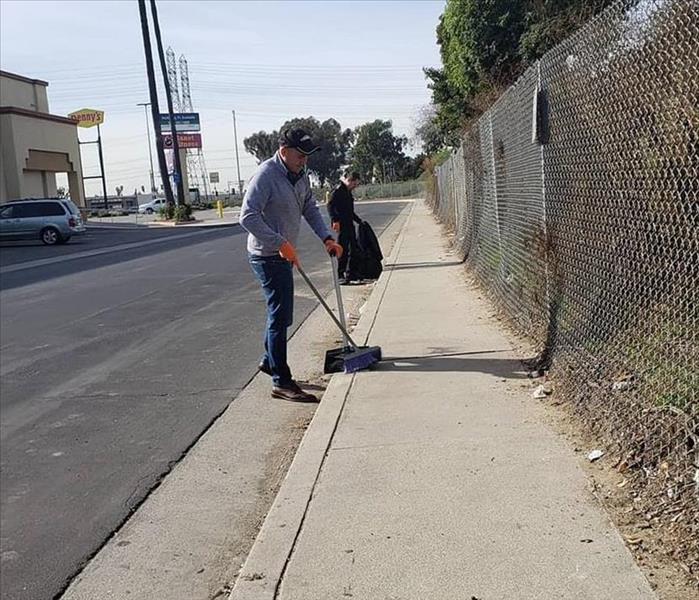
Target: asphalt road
pixel 98 236
pixel 112 367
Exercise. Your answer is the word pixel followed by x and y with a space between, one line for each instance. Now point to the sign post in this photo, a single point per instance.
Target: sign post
pixel 183 122
pixel 90 117
pixel 184 140
pixel 104 180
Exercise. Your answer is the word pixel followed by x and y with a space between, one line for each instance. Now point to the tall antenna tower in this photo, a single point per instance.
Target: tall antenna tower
pixel 173 80
pixel 184 75
pixel 196 165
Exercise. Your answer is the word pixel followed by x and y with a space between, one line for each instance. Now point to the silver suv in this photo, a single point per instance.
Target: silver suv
pixel 52 220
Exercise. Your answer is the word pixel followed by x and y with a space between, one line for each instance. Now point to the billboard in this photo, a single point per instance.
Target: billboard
pixel 183 122
pixel 213 177
pixel 87 117
pixel 184 140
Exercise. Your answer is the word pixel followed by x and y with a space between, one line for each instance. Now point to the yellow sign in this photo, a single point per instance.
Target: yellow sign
pixel 87 117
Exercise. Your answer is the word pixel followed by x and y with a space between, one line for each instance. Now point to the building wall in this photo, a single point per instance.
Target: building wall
pixel 3 179
pixel 38 184
pixel 21 92
pixel 22 133
pixel 36 145
pixel 11 167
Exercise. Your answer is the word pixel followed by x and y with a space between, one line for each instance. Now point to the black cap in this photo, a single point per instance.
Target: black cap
pixel 299 139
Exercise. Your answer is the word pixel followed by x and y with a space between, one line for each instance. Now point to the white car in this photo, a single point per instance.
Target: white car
pixel 151 207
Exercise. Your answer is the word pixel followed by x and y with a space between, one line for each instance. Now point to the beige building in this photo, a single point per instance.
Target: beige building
pixel 34 144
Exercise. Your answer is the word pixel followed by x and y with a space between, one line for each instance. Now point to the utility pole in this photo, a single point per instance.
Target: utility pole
pixel 145 106
pixel 155 108
pixel 237 160
pixel 168 95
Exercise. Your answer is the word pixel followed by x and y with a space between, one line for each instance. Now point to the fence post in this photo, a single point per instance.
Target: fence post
pixel 544 217
pixel 495 179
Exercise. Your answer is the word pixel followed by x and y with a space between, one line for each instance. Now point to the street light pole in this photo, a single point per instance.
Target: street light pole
pixel 145 106
pixel 237 160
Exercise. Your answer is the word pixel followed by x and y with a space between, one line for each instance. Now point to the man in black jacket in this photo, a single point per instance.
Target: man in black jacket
pixel 342 218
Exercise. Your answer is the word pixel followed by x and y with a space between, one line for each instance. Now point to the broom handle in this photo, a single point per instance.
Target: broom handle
pixel 342 328
pixel 338 293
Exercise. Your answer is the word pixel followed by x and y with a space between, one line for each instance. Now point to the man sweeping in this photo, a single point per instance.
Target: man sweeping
pixel 278 196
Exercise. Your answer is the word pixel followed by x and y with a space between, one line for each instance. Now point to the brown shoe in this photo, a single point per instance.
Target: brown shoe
pixel 293 393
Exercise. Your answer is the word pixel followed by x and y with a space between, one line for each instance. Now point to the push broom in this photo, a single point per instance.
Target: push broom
pixel 351 357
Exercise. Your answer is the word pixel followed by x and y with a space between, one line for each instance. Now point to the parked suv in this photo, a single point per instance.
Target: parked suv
pixel 52 220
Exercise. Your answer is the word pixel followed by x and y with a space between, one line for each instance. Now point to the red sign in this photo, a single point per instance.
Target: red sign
pixel 185 140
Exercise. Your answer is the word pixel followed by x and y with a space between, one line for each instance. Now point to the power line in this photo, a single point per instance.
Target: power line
pixel 254 66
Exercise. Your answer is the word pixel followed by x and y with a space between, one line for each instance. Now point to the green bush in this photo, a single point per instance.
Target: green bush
pixel 183 212
pixel 166 212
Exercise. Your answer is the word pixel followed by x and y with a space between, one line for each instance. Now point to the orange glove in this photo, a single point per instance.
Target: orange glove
pixel 287 251
pixel 333 248
pixel 335 226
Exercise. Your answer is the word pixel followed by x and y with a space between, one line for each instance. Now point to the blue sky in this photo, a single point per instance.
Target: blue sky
pixel 355 61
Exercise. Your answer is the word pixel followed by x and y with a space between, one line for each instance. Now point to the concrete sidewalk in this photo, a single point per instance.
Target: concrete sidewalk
pixel 435 476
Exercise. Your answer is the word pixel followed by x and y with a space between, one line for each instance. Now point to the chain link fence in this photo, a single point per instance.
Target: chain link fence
pixel 575 201
pixel 395 189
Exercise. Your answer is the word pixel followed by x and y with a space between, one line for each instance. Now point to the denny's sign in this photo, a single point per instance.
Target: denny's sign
pixel 87 117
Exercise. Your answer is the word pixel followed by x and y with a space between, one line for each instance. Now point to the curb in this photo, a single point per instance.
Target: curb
pixel 159 225
pixel 265 565
pixel 263 570
pixel 207 224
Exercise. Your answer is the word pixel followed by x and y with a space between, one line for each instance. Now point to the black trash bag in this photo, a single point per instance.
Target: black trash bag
pixel 370 252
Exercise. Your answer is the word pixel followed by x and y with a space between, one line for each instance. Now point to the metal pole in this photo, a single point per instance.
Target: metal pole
pixel 104 181
pixel 155 107
pixel 179 178
pixel 340 307
pixel 237 160
pixel 145 106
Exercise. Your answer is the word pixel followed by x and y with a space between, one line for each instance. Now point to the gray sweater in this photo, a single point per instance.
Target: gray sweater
pixel 273 207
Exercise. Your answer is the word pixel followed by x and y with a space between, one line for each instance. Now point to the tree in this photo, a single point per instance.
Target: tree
pixel 486 44
pixel 377 154
pixel 427 130
pixel 452 106
pixel 334 142
pixel 262 145
pixel 549 23
pixel 478 42
pixel 412 168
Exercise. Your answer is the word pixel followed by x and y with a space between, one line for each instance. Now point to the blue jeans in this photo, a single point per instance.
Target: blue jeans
pixel 277 279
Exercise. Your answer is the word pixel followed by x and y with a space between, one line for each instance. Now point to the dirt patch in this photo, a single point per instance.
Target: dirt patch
pixel 609 483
